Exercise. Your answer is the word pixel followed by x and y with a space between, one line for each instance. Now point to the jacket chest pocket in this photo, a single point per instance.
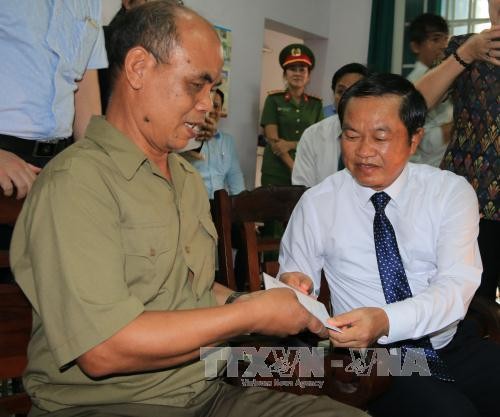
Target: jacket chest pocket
pixel 200 252
pixel 149 254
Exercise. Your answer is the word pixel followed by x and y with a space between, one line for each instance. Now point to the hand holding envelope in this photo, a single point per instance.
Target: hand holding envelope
pixel 316 308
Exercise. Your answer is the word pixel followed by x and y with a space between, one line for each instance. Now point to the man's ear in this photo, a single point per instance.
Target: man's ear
pixel 137 62
pixel 416 139
pixel 415 47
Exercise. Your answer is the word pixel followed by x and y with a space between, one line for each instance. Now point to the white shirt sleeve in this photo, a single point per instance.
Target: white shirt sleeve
pixel 301 247
pixel 458 275
pixel 303 172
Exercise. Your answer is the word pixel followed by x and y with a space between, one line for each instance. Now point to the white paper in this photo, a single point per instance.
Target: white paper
pixel 316 308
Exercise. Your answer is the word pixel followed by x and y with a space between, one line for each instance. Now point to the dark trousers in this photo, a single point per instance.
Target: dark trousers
pixel 473 362
pixel 489 246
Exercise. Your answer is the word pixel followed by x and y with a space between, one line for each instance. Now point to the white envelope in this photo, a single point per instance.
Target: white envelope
pixel 316 308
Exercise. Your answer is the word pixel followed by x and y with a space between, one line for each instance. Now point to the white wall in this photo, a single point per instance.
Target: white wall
pixel 337 30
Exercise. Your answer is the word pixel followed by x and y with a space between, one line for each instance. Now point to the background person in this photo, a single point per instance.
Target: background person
pixel 219 166
pixel 397 244
pixel 50 51
pixel 49 78
pixel 318 152
pixel 287 113
pixel 121 272
pixel 428 40
pixel 471 74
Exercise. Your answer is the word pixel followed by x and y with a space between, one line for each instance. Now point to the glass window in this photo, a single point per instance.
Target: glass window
pixel 459 30
pixel 481 9
pixel 466 16
pixel 479 27
pixel 461 9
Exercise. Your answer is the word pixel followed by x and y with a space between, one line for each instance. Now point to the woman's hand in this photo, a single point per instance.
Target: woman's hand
pixel 484 46
pixel 281 146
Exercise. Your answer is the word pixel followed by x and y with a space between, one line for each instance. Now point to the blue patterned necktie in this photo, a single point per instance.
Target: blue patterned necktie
pixel 395 284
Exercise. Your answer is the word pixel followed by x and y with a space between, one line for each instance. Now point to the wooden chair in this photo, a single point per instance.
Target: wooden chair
pixel 486 313
pixel 276 203
pixel 245 210
pixel 15 328
pixel 9 210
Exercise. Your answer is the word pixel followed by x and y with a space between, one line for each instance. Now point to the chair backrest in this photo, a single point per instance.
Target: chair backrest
pixel 9 210
pixel 15 327
pixel 243 211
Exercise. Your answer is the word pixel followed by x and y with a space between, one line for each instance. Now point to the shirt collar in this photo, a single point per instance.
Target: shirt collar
pixel 124 153
pixel 394 190
pixel 420 66
pixel 304 97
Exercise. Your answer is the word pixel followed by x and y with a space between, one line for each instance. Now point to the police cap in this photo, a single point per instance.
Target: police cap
pixel 296 53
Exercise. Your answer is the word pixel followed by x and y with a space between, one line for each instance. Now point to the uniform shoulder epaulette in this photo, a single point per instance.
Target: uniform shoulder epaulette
pixel 273 92
pixel 314 97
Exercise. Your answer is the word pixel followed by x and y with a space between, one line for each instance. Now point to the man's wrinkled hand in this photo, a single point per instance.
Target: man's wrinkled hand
pixel 278 312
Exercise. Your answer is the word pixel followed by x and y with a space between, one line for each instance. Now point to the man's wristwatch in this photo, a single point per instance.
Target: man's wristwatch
pixel 233 296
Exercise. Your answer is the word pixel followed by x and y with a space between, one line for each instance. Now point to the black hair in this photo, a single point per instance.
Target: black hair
pixel 352 68
pixel 423 25
pixel 412 110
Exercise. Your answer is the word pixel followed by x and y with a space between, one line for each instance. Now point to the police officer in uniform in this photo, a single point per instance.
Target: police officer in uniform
pixel 287 113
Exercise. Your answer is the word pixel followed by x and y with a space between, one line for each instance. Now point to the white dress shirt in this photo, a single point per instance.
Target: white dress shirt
pixel 318 152
pixel 435 217
pixel 432 147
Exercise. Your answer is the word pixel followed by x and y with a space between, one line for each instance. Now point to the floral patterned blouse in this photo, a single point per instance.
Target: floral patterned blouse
pixel 475 144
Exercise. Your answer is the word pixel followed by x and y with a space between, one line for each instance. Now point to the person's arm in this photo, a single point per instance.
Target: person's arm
pixel 458 270
pixel 435 83
pixel 301 248
pixel 16 174
pixel 87 102
pixel 160 339
pixel 279 147
pixel 221 293
pixel 304 171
